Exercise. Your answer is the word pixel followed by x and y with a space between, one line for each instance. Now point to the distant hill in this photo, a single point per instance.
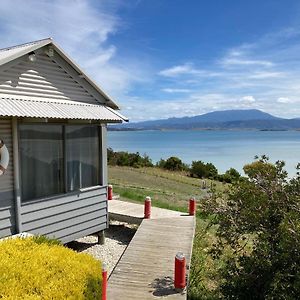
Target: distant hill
pixel 228 119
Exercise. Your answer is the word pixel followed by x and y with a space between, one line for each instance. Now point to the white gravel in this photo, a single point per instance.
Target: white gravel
pixel 117 238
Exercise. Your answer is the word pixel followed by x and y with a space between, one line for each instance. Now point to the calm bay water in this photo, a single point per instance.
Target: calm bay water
pixel 224 149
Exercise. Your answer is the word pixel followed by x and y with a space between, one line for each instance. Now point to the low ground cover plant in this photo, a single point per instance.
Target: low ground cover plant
pixel 37 268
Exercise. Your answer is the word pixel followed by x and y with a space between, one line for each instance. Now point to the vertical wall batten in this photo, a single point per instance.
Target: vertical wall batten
pixel 103 162
pixel 16 175
pixel 7 206
pixel 103 154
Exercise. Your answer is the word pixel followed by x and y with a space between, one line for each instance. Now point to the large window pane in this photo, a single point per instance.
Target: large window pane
pixel 41 157
pixel 82 149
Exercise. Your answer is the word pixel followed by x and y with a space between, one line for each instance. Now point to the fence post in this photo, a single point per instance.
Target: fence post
pixel 180 271
pixel 109 192
pixel 192 206
pixel 147 208
pixel 104 281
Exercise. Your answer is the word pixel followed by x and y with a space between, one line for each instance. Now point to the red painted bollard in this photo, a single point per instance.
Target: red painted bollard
pixel 104 281
pixel 109 192
pixel 147 208
pixel 180 271
pixel 192 207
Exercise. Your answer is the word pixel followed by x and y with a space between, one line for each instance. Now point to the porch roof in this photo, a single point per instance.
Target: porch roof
pixel 58 110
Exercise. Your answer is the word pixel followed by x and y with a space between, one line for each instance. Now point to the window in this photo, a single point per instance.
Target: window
pixel 82 148
pixel 41 156
pixel 58 158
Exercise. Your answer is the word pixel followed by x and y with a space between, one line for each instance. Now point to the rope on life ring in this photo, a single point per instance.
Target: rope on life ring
pixel 4 158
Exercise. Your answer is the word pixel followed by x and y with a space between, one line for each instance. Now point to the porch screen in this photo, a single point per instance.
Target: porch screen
pixel 82 154
pixel 41 158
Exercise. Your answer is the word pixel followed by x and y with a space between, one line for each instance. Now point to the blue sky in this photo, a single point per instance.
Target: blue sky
pixel 160 58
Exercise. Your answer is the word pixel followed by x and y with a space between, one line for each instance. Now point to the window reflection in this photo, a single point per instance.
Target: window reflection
pixel 82 148
pixel 41 157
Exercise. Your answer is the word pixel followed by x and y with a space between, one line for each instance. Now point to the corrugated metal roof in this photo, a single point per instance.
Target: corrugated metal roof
pixel 58 110
pixel 11 53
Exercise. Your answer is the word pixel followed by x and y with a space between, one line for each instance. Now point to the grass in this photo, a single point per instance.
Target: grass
pixel 167 189
pixel 172 190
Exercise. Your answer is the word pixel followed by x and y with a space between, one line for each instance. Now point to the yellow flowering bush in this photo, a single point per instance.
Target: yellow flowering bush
pixel 31 270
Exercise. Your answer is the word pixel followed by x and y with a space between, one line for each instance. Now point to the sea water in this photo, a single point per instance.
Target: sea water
pixel 225 149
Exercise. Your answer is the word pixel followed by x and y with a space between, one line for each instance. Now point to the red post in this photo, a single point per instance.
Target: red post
pixel 192 207
pixel 180 271
pixel 109 192
pixel 104 282
pixel 147 208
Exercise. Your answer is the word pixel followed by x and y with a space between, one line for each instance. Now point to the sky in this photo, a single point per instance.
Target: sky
pixel 172 58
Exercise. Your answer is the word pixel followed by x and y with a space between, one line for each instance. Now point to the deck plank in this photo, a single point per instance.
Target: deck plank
pixel 146 269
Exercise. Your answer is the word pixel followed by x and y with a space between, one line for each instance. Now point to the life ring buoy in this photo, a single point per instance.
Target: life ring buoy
pixel 4 158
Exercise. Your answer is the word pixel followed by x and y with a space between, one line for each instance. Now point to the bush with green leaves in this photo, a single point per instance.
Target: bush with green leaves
pixel 203 170
pixel 259 228
pixel 229 176
pixel 173 163
pixel 123 158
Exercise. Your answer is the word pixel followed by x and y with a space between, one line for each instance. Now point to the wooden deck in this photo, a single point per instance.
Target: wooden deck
pixel 134 213
pixel 146 269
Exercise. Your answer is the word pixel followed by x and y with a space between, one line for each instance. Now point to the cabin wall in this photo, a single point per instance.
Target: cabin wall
pixel 67 217
pixel 7 211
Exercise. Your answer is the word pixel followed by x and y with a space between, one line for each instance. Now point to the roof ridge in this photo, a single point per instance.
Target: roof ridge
pixel 26 44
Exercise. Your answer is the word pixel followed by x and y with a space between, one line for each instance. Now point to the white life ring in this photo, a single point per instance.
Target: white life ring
pixel 4 158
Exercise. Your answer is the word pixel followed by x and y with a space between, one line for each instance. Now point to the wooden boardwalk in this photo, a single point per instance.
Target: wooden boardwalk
pixel 134 213
pixel 146 269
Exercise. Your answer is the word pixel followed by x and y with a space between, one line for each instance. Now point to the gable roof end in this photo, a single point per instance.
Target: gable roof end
pixel 11 53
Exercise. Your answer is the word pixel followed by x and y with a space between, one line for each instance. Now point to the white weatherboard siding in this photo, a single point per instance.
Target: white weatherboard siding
pixel 7 213
pixel 42 80
pixel 67 217
pixel 48 49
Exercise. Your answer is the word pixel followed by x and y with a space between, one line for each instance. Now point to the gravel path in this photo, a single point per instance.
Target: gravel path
pixel 117 237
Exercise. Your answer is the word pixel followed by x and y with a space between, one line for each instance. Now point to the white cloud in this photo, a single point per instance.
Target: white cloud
pixel 185 69
pixel 230 61
pixel 246 73
pixel 81 29
pixel 248 99
pixel 264 75
pixel 284 100
pixel 175 90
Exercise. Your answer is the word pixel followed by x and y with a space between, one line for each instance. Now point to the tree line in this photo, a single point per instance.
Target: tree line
pixel 197 169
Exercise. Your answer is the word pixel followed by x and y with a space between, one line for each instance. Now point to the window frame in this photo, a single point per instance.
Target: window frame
pixel 64 152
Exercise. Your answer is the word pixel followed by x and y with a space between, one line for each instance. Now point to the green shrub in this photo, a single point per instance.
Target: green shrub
pixel 230 176
pixel 34 268
pixel 173 163
pixel 259 224
pixel 123 158
pixel 201 170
